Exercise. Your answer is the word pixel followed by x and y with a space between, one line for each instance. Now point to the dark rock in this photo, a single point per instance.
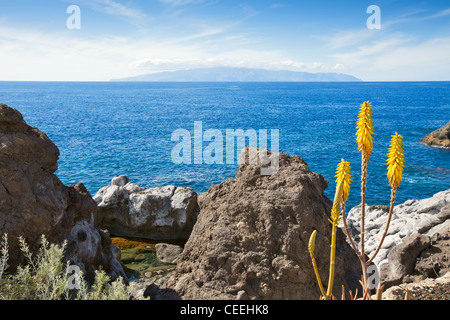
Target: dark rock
pixel 402 258
pixel 439 137
pixel 434 261
pixel 251 237
pixel 154 292
pixel 34 202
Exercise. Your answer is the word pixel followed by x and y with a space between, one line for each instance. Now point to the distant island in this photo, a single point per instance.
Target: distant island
pixel 228 74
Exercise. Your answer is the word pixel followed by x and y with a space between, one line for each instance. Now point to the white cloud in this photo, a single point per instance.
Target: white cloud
pixel 348 38
pixel 248 59
pixel 396 59
pixel 343 39
pixel 425 61
pixel 371 55
pixel 37 56
pixel 364 54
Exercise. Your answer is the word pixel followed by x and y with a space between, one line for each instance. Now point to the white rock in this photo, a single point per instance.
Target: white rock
pixel 160 213
pixel 408 218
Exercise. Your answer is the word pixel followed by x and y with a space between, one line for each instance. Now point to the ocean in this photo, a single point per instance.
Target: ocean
pixel 104 129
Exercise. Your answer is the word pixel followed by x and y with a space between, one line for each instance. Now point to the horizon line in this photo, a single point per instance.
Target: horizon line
pixel 225 81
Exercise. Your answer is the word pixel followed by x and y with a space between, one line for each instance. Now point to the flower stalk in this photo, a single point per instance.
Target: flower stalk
pixel 395 162
pixel 343 182
pixel 364 140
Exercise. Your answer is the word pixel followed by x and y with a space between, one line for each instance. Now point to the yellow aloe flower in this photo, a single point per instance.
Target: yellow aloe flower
pixel 365 129
pixel 343 173
pixel 395 161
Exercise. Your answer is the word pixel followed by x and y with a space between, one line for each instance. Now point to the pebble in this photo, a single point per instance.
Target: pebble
pixel 440 291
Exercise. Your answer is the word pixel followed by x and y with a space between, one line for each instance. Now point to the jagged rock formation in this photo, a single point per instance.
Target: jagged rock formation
pixel 33 201
pixel 251 237
pixel 161 213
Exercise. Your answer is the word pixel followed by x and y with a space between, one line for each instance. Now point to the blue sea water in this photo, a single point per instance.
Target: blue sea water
pixel 104 129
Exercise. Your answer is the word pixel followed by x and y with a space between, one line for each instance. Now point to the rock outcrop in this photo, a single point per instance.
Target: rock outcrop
pixel 251 238
pixel 417 244
pixel 33 201
pixel 424 216
pixel 439 137
pixel 162 213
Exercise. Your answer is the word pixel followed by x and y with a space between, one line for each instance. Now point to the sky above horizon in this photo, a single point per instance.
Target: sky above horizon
pixel 124 38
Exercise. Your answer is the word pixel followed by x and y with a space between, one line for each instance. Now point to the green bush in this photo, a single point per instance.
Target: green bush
pixel 45 277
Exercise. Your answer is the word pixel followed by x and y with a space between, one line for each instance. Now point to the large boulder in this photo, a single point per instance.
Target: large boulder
pixel 439 137
pixel 251 238
pixel 34 202
pixel 162 213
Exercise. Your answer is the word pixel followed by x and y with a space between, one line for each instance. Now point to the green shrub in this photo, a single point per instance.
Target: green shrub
pixel 45 277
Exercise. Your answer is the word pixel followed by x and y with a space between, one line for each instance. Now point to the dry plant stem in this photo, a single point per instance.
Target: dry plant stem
pixel 362 257
pixel 391 209
pixel 351 295
pixel 407 294
pixel 366 294
pixel 379 294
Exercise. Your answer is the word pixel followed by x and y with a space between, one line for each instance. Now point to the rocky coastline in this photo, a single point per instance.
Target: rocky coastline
pixel 245 238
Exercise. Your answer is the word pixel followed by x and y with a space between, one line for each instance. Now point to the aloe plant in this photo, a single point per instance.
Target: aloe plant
pixel 395 163
pixel 343 181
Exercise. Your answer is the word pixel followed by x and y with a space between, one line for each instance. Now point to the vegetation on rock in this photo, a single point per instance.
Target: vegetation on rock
pixel 47 277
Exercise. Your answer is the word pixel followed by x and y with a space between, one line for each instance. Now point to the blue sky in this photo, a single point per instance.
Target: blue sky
pixel 121 38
